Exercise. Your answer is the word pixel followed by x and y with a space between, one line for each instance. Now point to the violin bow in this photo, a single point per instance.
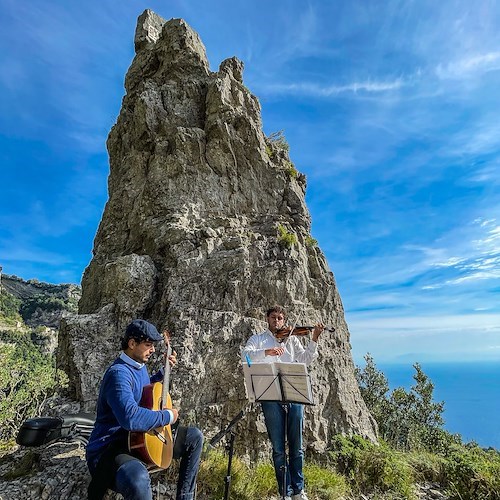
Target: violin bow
pixel 293 328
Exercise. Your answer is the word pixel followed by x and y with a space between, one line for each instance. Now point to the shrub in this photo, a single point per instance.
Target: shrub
pixel 259 481
pixel 9 306
pixel 291 170
pixel 346 453
pixel 44 302
pixel 472 473
pixel 270 152
pixel 426 466
pixel 213 470
pixel 278 139
pixel 311 242
pixel 372 468
pixel 27 378
pixel 286 238
pixel 255 482
pixel 383 470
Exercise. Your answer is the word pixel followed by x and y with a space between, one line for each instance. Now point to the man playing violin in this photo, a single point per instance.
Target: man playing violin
pixel 277 343
pixel 110 463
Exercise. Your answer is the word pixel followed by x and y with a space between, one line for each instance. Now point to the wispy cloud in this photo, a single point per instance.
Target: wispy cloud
pixel 12 253
pixel 452 274
pixel 482 261
pixel 316 90
pixel 450 262
pixel 66 86
pixel 470 66
pixel 427 324
pixel 492 237
pixel 475 254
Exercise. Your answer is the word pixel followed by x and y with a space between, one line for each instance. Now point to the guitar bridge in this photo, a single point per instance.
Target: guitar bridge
pixel 160 436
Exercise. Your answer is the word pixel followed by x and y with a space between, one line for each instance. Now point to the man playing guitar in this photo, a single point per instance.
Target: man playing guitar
pixel 109 460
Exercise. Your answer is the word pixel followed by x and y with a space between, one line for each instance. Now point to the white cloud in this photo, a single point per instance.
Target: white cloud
pixel 472 250
pixel 484 222
pixel 450 262
pixel 475 277
pixel 493 237
pixel 470 66
pixel 474 139
pixel 20 254
pixel 488 174
pixel 316 90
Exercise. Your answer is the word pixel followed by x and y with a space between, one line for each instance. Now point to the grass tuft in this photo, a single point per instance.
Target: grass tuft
pixel 285 238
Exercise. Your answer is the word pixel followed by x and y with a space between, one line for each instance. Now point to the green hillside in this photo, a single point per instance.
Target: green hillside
pixel 29 315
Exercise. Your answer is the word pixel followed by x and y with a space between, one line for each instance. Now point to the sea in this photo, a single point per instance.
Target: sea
pixel 470 391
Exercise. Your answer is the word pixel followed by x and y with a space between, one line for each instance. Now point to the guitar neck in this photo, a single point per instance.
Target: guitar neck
pixel 166 377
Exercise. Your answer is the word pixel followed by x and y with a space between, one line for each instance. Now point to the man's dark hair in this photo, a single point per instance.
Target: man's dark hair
pixel 276 309
pixel 137 338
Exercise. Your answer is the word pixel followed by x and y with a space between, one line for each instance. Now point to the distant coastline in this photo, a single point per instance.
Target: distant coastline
pixel 470 391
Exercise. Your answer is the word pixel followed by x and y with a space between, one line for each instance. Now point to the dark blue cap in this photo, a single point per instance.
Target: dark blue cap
pixel 142 330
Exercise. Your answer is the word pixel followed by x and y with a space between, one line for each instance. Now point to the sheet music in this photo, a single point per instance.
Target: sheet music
pixel 261 382
pixel 295 381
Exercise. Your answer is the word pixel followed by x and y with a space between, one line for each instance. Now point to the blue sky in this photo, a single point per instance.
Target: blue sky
pixel 391 109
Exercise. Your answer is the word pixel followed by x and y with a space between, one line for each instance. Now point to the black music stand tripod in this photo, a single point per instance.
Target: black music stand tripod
pixel 229 447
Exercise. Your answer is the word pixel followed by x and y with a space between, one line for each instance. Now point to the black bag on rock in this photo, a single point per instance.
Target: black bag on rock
pixel 45 430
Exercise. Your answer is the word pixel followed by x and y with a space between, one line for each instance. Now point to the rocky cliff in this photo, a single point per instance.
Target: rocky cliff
pixel 205 227
pixel 41 306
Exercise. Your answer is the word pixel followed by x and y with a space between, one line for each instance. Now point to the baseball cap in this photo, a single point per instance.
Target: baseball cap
pixel 141 329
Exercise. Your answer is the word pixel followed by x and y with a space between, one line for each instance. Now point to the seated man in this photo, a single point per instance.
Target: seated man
pixel 109 461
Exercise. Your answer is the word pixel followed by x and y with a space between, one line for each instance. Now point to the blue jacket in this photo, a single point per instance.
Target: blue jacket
pixel 118 409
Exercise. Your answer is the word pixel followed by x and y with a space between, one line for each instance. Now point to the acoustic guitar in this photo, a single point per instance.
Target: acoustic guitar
pixel 155 447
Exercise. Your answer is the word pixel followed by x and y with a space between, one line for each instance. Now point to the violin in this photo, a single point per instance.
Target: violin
pixel 300 331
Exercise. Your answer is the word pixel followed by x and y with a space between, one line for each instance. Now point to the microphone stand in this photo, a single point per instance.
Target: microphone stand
pixel 229 447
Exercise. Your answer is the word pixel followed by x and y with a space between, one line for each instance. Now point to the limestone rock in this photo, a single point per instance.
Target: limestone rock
pixel 190 240
pixel 59 472
pixel 86 343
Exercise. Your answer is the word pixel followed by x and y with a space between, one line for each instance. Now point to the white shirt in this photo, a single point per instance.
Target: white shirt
pixel 130 361
pixel 294 350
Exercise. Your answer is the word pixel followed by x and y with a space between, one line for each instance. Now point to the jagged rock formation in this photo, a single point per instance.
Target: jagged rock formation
pixel 193 238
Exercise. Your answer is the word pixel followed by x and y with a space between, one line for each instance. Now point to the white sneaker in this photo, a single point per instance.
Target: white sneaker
pixel 300 496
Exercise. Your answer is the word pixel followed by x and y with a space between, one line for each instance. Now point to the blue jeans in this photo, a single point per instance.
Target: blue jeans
pixel 190 461
pixel 129 476
pixel 275 415
pixel 132 481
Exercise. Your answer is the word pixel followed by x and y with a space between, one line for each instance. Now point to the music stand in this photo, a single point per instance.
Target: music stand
pixel 282 383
